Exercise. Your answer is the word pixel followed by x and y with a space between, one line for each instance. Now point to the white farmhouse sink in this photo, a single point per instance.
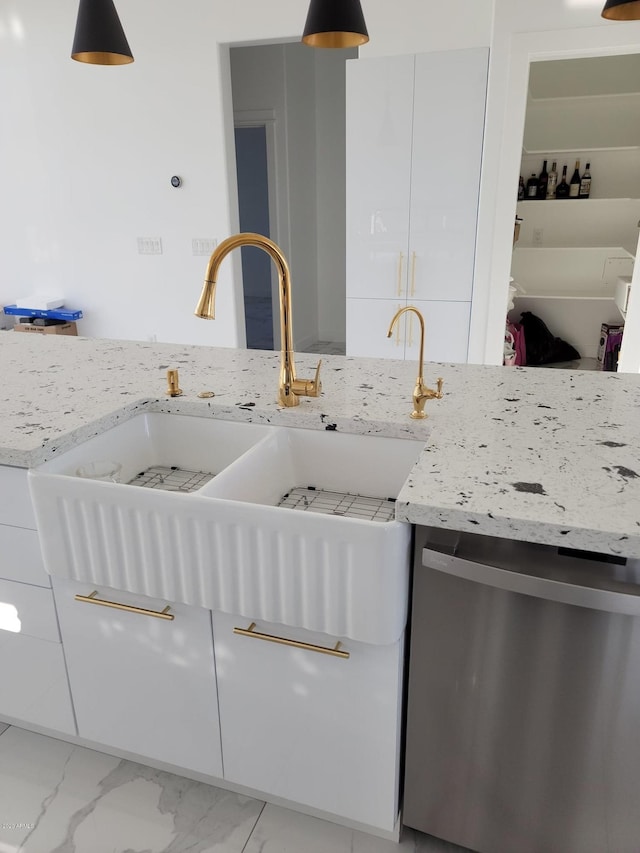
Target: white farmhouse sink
pixel 228 545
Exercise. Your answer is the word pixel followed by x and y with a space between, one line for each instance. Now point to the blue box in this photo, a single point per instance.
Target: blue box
pixel 51 314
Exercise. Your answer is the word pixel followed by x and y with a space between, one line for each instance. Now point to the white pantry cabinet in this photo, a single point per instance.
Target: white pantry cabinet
pixel 415 128
pixel 320 730
pixel 33 678
pixel 142 683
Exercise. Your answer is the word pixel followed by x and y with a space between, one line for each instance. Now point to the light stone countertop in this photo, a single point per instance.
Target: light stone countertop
pixel 541 455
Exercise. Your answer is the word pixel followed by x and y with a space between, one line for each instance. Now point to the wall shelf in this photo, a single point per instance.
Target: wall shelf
pixel 572 289
pixel 574 223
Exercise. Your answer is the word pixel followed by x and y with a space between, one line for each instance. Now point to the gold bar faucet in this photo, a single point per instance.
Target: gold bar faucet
pixel 420 393
pixel 290 387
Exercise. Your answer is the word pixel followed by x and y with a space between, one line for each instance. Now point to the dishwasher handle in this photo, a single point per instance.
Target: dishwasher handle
pixel 607 600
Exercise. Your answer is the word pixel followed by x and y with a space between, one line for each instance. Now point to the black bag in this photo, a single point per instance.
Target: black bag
pixel 542 346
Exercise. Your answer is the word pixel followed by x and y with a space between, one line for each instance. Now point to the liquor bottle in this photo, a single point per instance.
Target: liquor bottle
pixel 543 180
pixel 521 190
pixel 563 187
pixel 532 186
pixel 574 186
pixel 585 183
pixel 553 181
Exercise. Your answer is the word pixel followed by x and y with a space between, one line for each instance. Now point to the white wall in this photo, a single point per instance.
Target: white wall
pixel 89 154
pixel 418 26
pixel 89 151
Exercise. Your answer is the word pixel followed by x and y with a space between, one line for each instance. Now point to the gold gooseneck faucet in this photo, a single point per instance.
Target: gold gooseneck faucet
pixel 290 387
pixel 420 393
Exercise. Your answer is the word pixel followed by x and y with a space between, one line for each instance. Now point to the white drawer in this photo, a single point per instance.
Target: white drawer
pixel 28 611
pixel 15 500
pixel 33 683
pixel 20 557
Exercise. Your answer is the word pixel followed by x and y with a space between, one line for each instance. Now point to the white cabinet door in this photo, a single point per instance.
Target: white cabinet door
pixel 33 683
pixel 378 156
pixel 33 678
pixel 15 501
pixel 446 337
pixel 448 132
pixel 367 325
pixel 310 727
pixel 141 683
pixel 20 556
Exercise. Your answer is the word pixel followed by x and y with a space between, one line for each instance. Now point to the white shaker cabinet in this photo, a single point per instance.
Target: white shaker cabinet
pixel 139 682
pixel 317 729
pixel 412 196
pixel 33 678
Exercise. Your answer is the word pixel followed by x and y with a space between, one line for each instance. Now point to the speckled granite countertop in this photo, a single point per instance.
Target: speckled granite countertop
pixel 549 456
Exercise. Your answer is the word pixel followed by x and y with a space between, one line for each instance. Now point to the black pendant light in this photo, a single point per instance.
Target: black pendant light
pixel 99 37
pixel 335 23
pixel 622 10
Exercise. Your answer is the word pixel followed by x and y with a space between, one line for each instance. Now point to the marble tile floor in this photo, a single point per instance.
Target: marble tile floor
pixel 327 348
pixel 59 798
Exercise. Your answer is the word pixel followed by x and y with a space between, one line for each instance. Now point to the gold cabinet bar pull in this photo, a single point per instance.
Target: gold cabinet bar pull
pixel 400 261
pixel 93 599
pixel 413 274
pixel 336 651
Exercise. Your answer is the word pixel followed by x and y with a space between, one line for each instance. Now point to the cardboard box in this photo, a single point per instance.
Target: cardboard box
pixel 609 345
pixel 60 329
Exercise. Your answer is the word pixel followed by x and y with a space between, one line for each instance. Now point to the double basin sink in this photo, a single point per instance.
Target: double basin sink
pixel 285 525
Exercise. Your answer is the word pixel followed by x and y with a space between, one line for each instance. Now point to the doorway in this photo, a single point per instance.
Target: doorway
pixel 582 117
pixel 506 145
pixel 302 94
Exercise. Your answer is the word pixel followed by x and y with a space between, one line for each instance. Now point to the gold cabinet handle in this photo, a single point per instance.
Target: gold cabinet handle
pixel 93 599
pixel 336 651
pixel 400 262
pixel 413 273
pixel 410 330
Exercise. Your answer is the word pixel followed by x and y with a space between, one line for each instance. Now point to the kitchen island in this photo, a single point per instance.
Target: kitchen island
pixel 269 624
pixel 546 456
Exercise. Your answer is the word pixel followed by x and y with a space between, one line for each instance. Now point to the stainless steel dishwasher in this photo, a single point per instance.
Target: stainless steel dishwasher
pixel 523 722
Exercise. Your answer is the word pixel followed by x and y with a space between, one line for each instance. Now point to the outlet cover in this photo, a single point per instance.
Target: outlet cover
pixel 149 246
pixel 203 245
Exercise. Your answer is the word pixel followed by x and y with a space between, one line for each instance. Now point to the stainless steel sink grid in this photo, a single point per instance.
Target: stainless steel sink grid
pixel 171 479
pixel 311 499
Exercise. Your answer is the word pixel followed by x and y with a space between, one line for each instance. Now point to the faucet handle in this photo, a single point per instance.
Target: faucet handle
pixel 317 384
pixel 308 387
